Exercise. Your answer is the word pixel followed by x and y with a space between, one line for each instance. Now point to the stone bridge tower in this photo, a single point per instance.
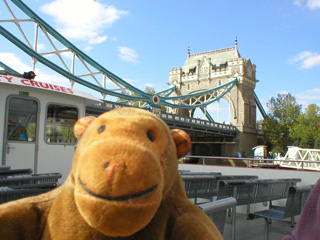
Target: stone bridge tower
pixel 203 71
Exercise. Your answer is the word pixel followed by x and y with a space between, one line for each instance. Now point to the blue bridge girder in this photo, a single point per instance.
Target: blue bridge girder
pixel 125 91
pixel 7 68
pixel 260 107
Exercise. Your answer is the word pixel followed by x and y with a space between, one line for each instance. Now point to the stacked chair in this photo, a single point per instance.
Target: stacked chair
pixel 218 196
pixel 20 183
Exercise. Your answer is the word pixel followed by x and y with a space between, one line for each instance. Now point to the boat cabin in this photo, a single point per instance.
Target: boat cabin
pixel 36 124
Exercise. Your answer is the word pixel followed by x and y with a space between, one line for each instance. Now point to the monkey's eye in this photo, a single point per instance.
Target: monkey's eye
pixel 150 136
pixel 101 128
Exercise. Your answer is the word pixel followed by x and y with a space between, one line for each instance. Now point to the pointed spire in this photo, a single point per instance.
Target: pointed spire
pixel 236 46
pixel 188 51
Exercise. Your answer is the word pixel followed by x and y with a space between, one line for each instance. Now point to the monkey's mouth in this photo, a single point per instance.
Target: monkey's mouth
pixel 120 198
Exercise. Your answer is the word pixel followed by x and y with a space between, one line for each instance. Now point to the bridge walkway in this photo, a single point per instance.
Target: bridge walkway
pixel 195 127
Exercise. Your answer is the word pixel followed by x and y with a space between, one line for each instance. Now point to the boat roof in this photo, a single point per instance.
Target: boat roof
pixel 14 80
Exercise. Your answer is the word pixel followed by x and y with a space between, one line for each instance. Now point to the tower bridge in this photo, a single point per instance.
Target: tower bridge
pixel 207 70
pixel 204 78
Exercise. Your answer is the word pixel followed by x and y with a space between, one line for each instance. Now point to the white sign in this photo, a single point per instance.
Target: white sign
pixel 42 85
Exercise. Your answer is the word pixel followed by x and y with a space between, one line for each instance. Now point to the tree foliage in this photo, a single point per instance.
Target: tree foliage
pixel 284 108
pixel 288 125
pixel 282 115
pixel 306 129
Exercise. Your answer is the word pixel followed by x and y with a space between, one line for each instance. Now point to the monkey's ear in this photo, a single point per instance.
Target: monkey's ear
pixel 182 141
pixel 81 125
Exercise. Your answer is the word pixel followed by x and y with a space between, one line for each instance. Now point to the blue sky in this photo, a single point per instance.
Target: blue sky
pixel 140 41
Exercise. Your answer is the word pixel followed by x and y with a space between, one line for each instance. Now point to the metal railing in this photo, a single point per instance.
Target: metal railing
pixel 191 120
pixel 174 117
pixel 258 162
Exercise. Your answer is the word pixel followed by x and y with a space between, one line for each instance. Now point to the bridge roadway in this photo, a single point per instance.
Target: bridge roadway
pixel 200 131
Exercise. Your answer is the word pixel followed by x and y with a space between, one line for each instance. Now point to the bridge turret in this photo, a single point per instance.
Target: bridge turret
pixel 202 71
pixel 175 76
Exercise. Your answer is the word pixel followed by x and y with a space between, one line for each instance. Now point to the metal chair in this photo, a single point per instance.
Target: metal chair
pixel 294 205
pixel 217 211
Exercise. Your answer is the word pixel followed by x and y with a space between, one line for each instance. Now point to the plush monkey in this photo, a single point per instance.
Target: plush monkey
pixel 124 184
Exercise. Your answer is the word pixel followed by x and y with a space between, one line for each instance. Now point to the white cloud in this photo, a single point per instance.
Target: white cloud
pixel 311 62
pixel 300 56
pixel 312 94
pixel 98 39
pixel 304 103
pixel 43 76
pixel 83 20
pixel 307 59
pixel 308 97
pixel 87 48
pixel 311 4
pixel 14 62
pixel 41 46
pixel 128 54
pixel 67 54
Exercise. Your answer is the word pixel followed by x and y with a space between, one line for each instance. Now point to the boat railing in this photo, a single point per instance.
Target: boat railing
pixel 256 162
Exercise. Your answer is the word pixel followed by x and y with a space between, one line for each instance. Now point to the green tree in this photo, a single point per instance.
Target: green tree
pixel 317 143
pixel 306 130
pixel 150 90
pixel 307 141
pixel 282 115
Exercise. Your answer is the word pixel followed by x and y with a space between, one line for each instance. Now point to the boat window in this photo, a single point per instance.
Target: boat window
pixel 22 120
pixel 59 124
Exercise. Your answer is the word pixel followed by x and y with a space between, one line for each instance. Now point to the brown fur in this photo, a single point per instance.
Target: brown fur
pixel 124 184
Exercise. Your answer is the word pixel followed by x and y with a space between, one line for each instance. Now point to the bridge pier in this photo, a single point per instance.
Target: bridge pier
pixel 244 144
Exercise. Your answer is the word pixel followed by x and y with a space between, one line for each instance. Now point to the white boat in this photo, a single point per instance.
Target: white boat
pixel 36 123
